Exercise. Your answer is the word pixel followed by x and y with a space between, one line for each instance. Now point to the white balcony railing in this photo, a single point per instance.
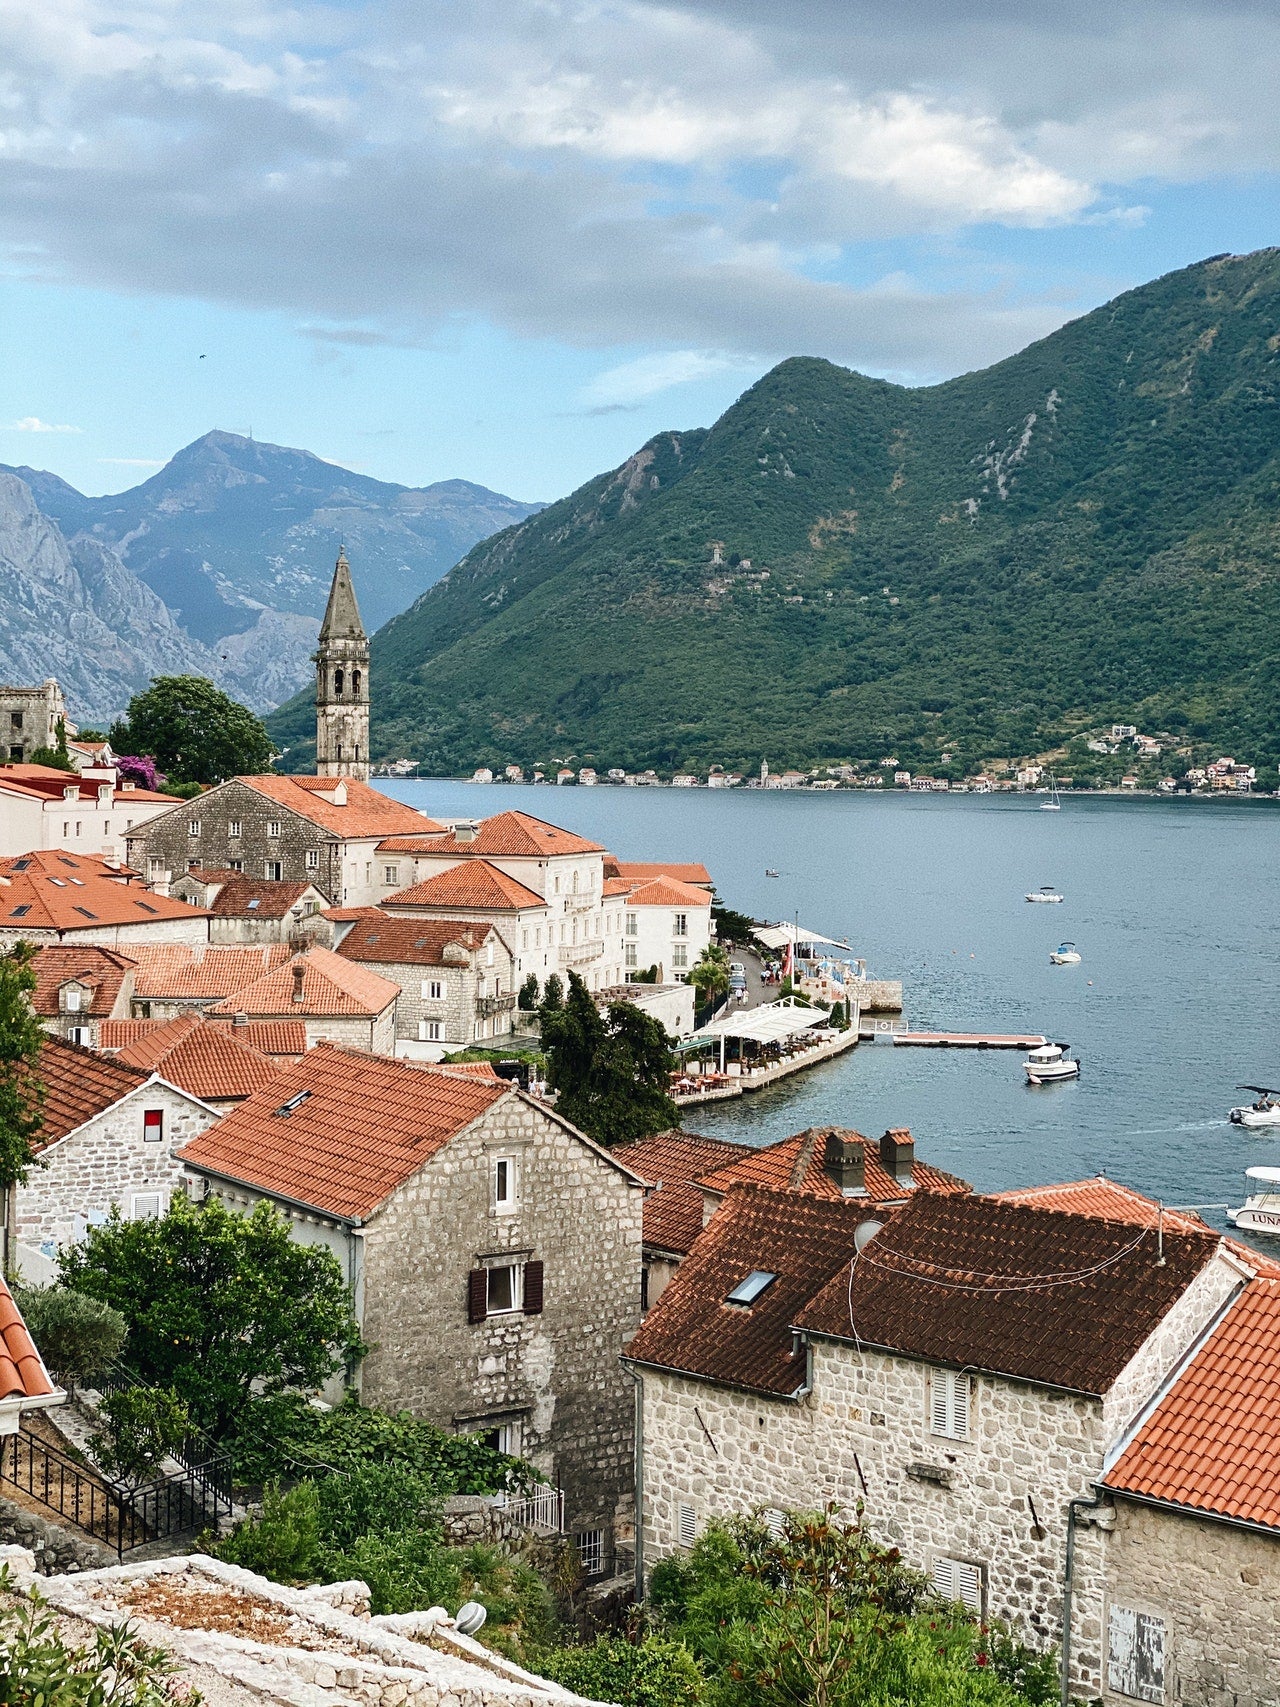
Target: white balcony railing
pixel 579 953
pixel 543 1509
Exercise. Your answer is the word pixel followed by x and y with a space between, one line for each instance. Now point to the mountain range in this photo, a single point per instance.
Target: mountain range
pixel 218 564
pixel 840 566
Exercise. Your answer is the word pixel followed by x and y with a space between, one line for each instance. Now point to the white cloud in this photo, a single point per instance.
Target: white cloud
pixel 632 382
pixel 33 424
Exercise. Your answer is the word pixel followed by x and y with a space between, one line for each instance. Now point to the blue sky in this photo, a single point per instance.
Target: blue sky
pixel 507 240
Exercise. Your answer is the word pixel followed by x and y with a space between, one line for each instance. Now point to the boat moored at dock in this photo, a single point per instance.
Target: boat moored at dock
pixel 1260 1212
pixel 1049 1063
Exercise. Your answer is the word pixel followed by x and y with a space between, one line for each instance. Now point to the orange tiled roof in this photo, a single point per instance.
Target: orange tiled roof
pixel 644 871
pixel 52 784
pixel 102 969
pixel 366 813
pixel 255 898
pixel 363 1126
pixel 204 1060
pixel 421 843
pixel 475 884
pixel 58 862
pixel 666 892
pixel 671 1162
pixel 79 1084
pixel 178 972
pixel 330 986
pixel 617 885
pixel 32 900
pixel 796 1164
pixel 22 1371
pixel 481 1070
pixel 513 834
pixel 1210 1444
pixel 268 1036
pixel 412 942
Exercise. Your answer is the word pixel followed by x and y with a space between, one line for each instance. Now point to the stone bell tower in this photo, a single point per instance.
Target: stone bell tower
pixel 342 682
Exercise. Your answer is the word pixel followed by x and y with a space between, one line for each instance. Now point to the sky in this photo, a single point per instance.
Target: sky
pixel 509 240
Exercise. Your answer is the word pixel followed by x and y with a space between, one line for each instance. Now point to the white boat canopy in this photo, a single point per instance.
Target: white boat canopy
pixel 778 936
pixel 769 1024
pixel 1271 1175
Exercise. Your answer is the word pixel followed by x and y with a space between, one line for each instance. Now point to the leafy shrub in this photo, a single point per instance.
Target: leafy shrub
pixel 406 1570
pixel 79 1337
pixel 374 1499
pixel 142 1426
pixel 654 1672
pixel 283 1540
pixel 38 1669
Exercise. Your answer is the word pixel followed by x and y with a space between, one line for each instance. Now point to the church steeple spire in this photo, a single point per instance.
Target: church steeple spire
pixel 342 682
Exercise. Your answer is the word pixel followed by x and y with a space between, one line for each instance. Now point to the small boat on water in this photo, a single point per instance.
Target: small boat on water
pixel 770 872
pixel 1264 1112
pixel 1260 1211
pixel 1065 955
pixel 1053 804
pixel 1049 1063
pixel 1046 892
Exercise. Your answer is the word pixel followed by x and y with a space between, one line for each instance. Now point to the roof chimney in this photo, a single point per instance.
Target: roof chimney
pixel 299 974
pixel 465 832
pixel 845 1160
pixel 898 1155
pixel 240 1019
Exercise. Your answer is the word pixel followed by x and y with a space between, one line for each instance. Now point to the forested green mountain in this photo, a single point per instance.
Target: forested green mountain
pixel 845 567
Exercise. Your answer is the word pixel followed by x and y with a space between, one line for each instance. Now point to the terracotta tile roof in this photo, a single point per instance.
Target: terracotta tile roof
pixel 254 898
pixel 368 812
pixel 421 843
pixel 667 892
pixel 274 1037
pixel 411 942
pixel 1210 1444
pixel 617 886
pixel 79 1084
pixel 644 871
pixel 481 1070
pixel 177 972
pixel 117 1034
pixel 52 784
pixel 953 1280
pixel 204 1060
pixel 22 1371
pixel 796 1164
pixel 476 884
pixel 330 986
pixel 104 970
pixel 36 901
pixel 364 1125
pixel 57 862
pixel 515 834
pixel 800 1240
pixel 671 1162
pixel 342 915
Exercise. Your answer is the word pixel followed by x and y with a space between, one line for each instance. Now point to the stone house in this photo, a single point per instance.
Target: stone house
pixel 210 1061
pixel 24 1381
pixel 690 1177
pixel 337 1000
pixel 109 1138
pixel 29 719
pixel 255 909
pixel 467 1217
pixel 283 1041
pixel 170 979
pixel 478 891
pixel 80 987
pixel 322 830
pixel 59 897
pixel 88 811
pixel 456 979
pixel 962 1366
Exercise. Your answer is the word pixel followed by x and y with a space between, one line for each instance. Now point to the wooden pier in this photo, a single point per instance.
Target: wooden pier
pixel 965 1040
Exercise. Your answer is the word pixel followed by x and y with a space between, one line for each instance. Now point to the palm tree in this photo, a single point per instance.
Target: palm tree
pixel 710 976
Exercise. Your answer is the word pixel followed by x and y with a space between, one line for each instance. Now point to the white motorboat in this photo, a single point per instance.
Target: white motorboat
pixel 1050 1063
pixel 1065 955
pixel 1053 804
pixel 1260 1212
pixel 1264 1112
pixel 1046 892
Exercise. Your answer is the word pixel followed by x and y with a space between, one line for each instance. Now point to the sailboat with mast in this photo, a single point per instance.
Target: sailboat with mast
pixel 1053 804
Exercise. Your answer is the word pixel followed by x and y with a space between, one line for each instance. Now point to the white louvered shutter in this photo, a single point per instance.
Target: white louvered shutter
pixel 940 1392
pixel 960 1407
pixel 943 1576
pixel 968 1580
pixel 688 1525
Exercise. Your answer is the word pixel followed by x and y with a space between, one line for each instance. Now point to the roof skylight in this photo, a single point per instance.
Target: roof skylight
pixel 748 1290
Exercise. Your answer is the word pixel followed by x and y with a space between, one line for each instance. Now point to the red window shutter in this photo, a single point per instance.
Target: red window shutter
pixel 533 1289
pixel 477 1295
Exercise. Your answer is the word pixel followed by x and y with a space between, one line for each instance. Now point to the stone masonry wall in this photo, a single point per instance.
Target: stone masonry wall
pixel 168 839
pixel 107 1161
pixel 1179 1330
pixel 558 1372
pixel 57 1550
pixel 863 1434
pixel 1217 1590
pixel 456 1009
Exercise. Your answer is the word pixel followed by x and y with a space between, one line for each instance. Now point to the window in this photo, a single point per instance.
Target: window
pixel 432 990
pixel 590 1545
pixel 391 874
pixel 949 1404
pixel 15 722
pixel 313 859
pixel 153 1125
pixel 504 1184
pixel 748 1290
pixel 537 936
pixel 524 939
pixel 337 684
pixel 368 871
pixel 680 955
pixel 557 882
pixel 774 1520
pixel 504 1290
pixel 146 1206
pixel 236 864
pixel 958 1579
pixel 686 1525
pixel 682 924
pixel 154 866
pixel 20 912
pixel 629 955
pixel 273 828
pixel 488 952
pixel 1135 1654
pixel 233 828
pixel 273 870
pixel 574 883
pixel 355 693
pixel 78 1034
pixel 429 1031
pixel 504 1438
pixel 72 1000
pixel 632 928
pixel 193 827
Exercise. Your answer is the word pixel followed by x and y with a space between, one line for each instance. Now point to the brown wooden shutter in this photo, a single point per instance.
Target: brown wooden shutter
pixel 533 1289
pixel 478 1295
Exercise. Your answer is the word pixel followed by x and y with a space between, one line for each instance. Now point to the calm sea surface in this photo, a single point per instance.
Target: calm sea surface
pixel 1174 905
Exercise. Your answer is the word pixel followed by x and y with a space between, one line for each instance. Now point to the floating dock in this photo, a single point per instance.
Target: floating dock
pixel 965 1040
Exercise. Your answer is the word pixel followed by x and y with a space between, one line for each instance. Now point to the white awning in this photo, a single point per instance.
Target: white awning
pixel 778 936
pixel 769 1024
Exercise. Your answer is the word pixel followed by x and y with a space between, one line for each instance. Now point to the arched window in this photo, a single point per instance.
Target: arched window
pixel 575 883
pixel 355 684
pixel 337 684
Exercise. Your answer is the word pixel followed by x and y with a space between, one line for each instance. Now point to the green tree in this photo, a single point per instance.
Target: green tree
pixel 710 976
pixel 611 1071
pixel 655 1672
pixel 528 998
pixel 731 926
pixel 21 1088
pixel 141 1427
pixel 552 994
pixel 222 1308
pixel 193 731
pixel 78 1337
pixel 57 756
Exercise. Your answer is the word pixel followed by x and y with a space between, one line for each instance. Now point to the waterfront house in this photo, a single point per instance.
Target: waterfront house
pixel 667 924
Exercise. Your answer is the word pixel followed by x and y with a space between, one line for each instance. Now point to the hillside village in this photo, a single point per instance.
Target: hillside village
pixel 294 1003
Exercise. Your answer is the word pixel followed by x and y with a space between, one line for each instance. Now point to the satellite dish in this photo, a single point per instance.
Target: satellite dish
pixel 471 1617
pixel 864 1233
